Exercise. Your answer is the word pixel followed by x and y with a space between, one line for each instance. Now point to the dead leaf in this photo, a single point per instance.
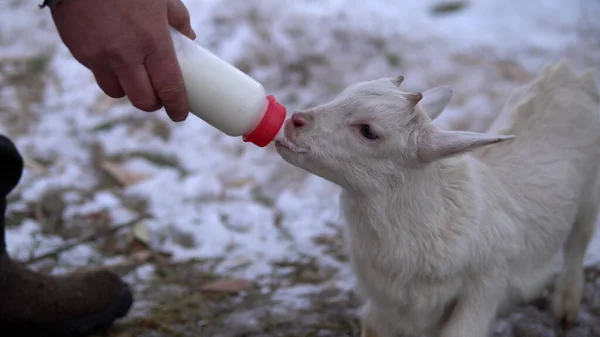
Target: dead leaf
pixel 124 177
pixel 141 232
pixel 226 286
pixel 513 71
pixel 137 245
pixel 100 219
pixel 140 238
pixel 141 256
pixel 448 7
pixel 39 214
pixel 162 256
pixel 33 165
pixel 103 103
pixel 240 182
pixel 278 219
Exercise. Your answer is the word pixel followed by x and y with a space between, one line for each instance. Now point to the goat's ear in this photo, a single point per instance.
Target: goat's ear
pixel 435 100
pixel 398 80
pixel 435 144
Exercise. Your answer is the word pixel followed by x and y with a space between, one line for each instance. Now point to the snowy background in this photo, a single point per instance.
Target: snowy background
pixel 95 163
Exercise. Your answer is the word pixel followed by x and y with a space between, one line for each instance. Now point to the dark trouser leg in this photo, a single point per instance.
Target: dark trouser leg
pixel 11 166
pixel 2 224
pixel 11 169
pixel 36 305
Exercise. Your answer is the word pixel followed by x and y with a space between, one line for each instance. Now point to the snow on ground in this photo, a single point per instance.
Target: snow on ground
pixel 210 195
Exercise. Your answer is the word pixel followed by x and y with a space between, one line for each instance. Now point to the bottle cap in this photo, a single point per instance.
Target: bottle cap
pixel 269 125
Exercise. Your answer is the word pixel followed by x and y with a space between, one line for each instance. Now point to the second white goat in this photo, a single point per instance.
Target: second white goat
pixel 445 227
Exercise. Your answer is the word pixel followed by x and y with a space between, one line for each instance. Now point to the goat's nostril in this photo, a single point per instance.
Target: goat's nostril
pixel 298 121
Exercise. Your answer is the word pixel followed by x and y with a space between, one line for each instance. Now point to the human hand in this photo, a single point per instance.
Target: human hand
pixel 127 45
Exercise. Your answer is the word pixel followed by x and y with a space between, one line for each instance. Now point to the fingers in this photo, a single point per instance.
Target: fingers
pixel 179 18
pixel 108 82
pixel 165 75
pixel 136 84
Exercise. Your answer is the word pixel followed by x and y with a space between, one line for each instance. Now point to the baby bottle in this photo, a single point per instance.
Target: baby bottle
pixel 225 97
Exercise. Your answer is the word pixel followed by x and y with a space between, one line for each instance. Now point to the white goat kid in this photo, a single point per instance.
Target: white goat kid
pixel 442 230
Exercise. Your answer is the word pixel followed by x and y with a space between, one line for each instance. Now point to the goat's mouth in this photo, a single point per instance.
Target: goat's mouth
pixel 287 144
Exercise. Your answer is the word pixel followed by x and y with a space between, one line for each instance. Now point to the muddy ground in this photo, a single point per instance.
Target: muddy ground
pixel 191 299
pixel 178 306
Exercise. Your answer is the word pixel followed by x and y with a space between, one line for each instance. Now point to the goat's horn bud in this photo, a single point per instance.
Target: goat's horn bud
pixel 398 80
pixel 415 98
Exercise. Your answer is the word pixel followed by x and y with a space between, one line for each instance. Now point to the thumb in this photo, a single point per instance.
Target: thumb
pixel 179 18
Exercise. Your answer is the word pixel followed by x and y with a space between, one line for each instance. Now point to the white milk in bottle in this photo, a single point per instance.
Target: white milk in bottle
pixel 225 97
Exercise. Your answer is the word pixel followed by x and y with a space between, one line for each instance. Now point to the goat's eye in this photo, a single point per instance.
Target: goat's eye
pixel 366 131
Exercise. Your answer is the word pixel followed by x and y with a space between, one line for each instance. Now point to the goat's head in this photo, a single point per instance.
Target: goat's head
pixel 373 131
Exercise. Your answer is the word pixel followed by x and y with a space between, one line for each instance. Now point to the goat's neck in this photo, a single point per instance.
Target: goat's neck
pixel 426 200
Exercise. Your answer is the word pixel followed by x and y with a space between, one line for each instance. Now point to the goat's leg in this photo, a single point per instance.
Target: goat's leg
pixel 475 310
pixel 367 330
pixel 374 323
pixel 369 321
pixel 569 286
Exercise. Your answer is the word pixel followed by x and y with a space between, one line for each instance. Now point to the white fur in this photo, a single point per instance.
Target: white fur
pixel 442 230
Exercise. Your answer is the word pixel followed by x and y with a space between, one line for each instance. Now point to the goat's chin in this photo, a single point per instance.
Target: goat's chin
pixel 289 155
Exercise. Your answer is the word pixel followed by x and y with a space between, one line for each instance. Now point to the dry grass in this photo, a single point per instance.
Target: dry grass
pixel 177 305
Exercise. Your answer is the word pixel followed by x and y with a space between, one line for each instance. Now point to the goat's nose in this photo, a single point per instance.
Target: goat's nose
pixel 301 119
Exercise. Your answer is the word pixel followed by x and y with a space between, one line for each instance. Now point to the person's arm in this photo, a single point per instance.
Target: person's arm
pixel 127 45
